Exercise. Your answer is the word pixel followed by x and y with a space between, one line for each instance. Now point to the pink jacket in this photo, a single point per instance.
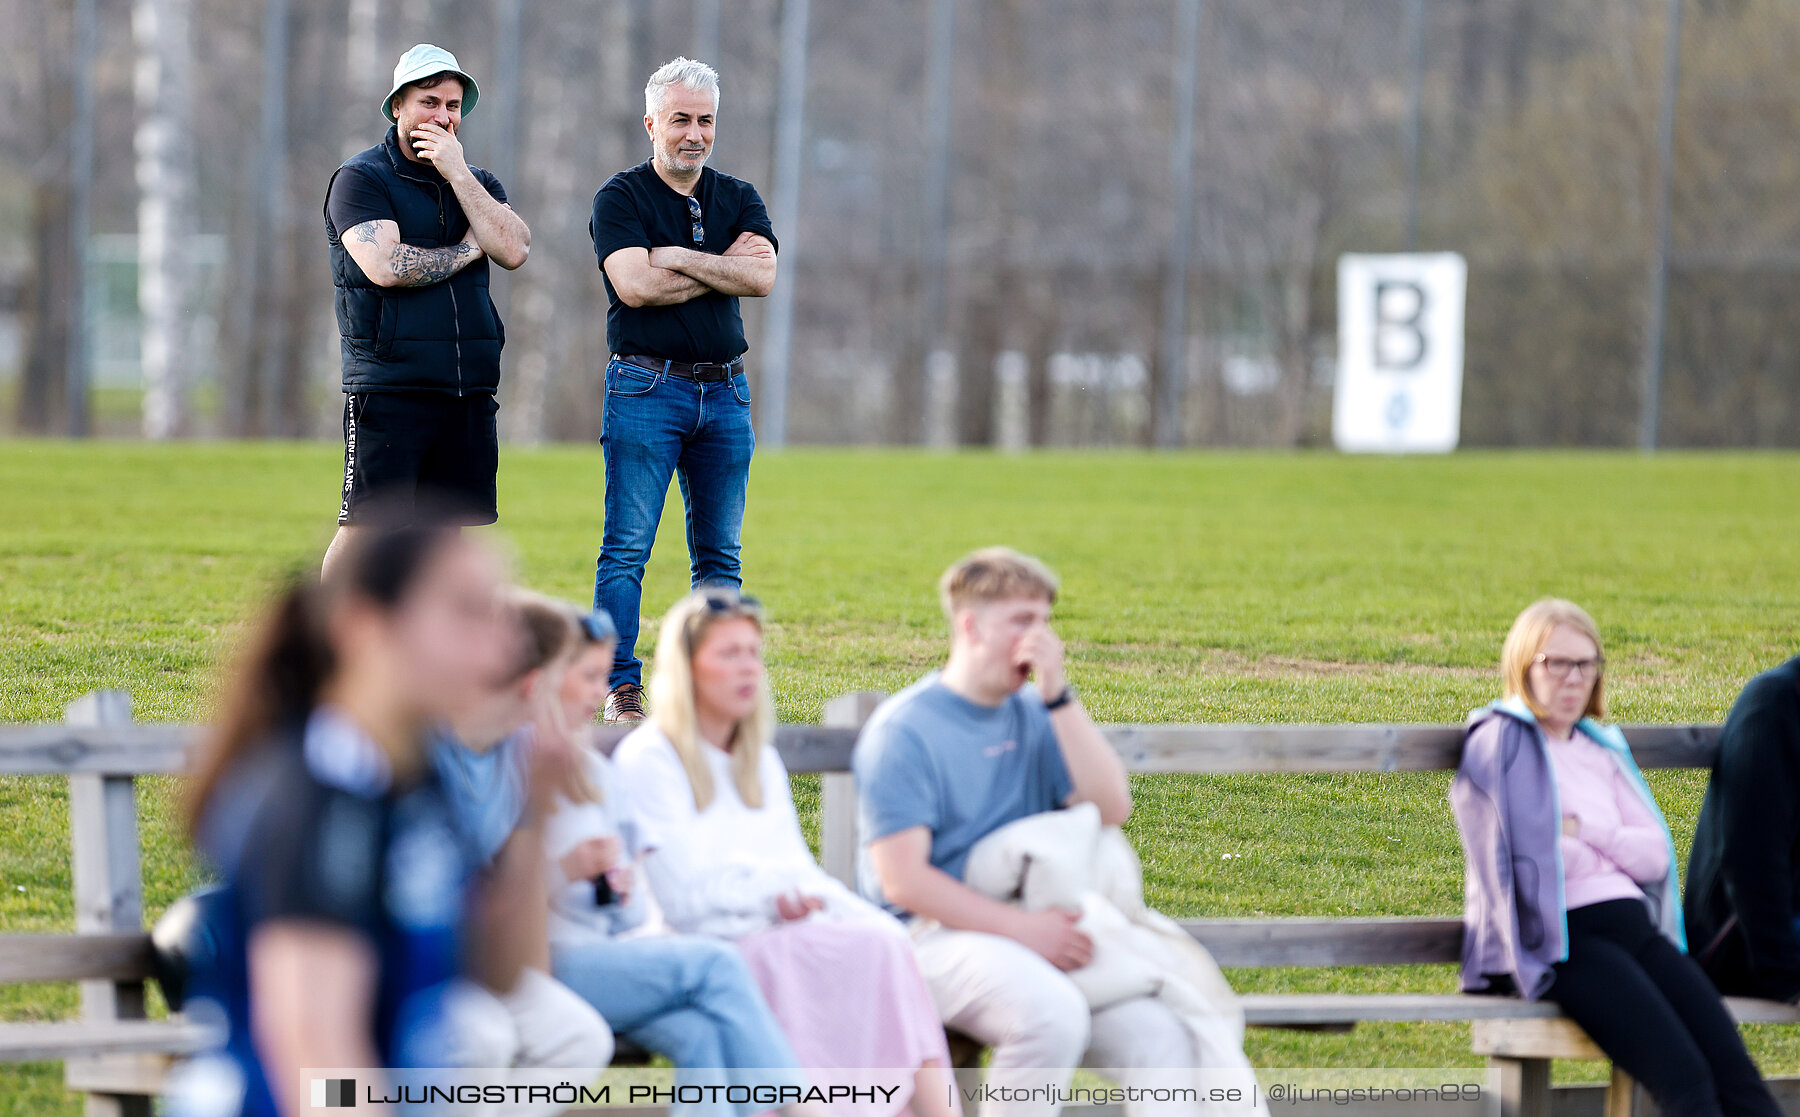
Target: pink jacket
pixel 1618 846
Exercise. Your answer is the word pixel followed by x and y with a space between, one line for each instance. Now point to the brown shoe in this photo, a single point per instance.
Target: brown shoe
pixel 625 705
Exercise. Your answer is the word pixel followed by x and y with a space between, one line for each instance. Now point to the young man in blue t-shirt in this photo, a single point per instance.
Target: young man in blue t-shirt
pixel 954 757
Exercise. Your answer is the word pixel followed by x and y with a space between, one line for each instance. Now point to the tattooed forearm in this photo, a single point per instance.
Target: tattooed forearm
pixel 377 249
pixel 419 267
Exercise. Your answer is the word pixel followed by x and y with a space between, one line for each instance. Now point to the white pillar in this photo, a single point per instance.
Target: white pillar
pixel 1012 402
pixel 940 399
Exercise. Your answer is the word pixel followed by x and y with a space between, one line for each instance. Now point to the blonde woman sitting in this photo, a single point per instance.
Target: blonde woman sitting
pixel 724 856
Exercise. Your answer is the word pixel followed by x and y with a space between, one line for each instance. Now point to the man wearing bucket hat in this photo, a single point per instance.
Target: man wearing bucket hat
pixel 411 228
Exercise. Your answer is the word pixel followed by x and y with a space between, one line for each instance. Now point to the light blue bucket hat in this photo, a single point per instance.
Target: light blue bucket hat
pixel 423 61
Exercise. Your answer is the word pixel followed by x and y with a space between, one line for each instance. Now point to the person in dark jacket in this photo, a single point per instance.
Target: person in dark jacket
pixel 411 227
pixel 1570 892
pixel 1743 886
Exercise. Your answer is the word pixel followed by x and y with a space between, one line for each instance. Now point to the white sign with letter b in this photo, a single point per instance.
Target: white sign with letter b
pixel 1400 353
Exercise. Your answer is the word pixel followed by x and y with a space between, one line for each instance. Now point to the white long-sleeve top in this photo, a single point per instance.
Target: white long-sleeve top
pixel 574 916
pixel 719 871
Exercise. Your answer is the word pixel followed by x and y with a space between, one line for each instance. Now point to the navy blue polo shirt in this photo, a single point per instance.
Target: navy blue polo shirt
pixel 637 209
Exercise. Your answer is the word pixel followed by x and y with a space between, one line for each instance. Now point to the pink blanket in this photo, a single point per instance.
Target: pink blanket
pixel 850 998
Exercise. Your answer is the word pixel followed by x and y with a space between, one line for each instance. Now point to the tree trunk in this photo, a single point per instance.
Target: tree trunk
pixel 367 68
pixel 992 291
pixel 271 346
pixel 166 224
pixel 48 304
pixel 53 281
pixel 79 407
pixel 913 393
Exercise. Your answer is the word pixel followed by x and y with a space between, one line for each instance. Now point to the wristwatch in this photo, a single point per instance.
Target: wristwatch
pixel 1067 696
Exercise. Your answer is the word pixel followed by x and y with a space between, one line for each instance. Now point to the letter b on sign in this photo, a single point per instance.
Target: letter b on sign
pixel 1400 342
pixel 1400 353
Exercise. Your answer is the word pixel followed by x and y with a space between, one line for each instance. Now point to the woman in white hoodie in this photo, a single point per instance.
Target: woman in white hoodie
pixel 725 857
pixel 688 997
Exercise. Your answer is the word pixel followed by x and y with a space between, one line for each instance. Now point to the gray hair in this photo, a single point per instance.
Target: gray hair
pixel 685 72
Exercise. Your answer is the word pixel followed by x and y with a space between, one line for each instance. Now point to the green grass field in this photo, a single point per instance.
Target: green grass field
pixel 1219 587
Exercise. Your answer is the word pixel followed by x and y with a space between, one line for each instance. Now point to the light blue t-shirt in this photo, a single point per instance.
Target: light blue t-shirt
pixel 486 789
pixel 929 757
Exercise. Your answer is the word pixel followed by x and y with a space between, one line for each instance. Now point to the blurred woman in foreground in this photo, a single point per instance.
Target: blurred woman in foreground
pixel 348 890
pixel 1571 892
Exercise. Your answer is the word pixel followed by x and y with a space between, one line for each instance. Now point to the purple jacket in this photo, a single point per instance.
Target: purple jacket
pixel 1515 924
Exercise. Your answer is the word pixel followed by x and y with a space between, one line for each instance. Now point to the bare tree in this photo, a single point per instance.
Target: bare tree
pixel 46 290
pixel 1007 193
pixel 270 348
pixel 166 223
pixel 54 295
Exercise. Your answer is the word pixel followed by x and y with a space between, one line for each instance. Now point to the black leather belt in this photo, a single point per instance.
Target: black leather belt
pixel 703 372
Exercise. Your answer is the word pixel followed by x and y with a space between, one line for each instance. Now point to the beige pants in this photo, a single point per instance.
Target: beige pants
pixel 541 1023
pixel 1005 995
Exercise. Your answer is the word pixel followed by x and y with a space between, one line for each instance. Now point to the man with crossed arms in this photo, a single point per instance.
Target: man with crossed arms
pixel 678 244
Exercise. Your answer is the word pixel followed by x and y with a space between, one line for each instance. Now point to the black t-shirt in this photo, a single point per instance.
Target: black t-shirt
pixel 307 828
pixel 358 196
pixel 637 209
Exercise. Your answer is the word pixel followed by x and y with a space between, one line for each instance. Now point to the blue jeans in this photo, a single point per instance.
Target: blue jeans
pixel 687 997
pixel 658 426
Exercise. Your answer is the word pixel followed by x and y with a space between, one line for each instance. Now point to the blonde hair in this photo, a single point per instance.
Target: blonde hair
pixel 672 706
pixel 1527 638
pixel 995 574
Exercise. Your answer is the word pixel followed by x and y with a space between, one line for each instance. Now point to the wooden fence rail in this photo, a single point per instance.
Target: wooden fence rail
pixel 142 748
pixel 117 1057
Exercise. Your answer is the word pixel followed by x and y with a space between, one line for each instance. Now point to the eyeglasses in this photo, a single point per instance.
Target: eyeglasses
pixel 1560 668
pixel 699 228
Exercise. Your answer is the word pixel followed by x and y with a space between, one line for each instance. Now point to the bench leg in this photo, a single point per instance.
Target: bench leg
pixel 109 887
pixel 1624 1098
pixel 1524 1086
pixel 116 1105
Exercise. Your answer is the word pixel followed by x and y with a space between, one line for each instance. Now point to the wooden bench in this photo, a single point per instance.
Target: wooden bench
pixel 1519 1040
pixel 112 1053
pixel 118 1057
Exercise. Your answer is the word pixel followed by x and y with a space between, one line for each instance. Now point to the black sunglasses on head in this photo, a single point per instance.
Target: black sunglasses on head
pixel 597 630
pixel 721 603
pixel 699 228
pixel 725 601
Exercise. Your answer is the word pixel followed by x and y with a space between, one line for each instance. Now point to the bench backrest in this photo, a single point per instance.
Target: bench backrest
pixel 102 749
pixel 134 749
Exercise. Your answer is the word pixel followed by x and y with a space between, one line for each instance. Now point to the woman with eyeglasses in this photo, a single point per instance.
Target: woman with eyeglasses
pixel 688 997
pixel 1571 892
pixel 724 856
